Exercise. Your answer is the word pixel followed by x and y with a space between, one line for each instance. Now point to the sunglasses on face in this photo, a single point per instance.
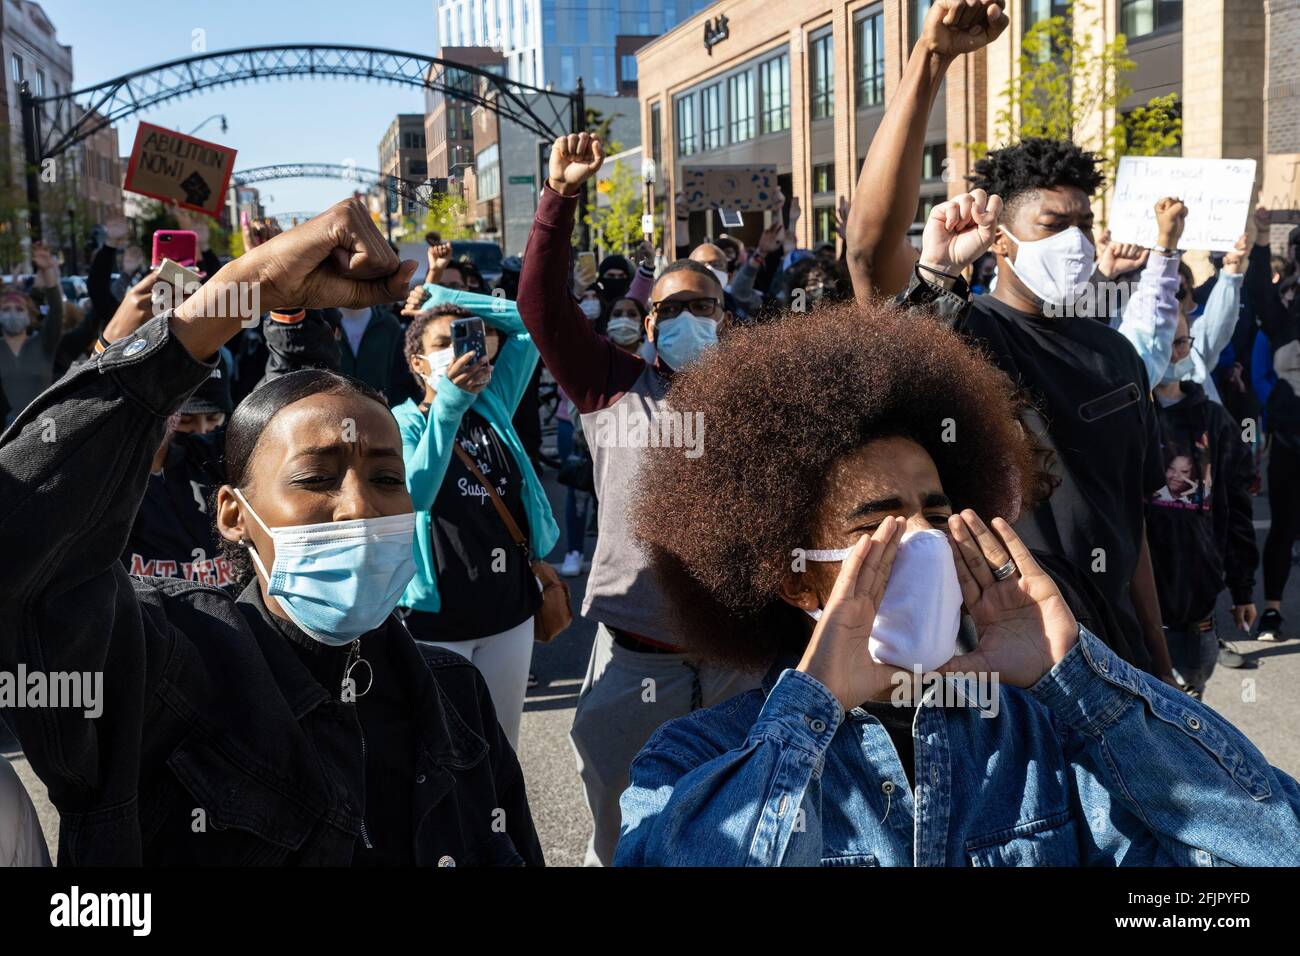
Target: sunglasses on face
pixel 672 308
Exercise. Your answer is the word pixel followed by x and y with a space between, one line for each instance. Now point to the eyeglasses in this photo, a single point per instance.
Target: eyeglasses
pixel 672 308
pixel 1182 340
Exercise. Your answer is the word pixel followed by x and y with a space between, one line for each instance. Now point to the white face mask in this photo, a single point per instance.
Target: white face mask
pixel 1178 371
pixel 721 276
pixel 624 330
pixel 439 362
pixel 1056 268
pixel 590 308
pixel 918 618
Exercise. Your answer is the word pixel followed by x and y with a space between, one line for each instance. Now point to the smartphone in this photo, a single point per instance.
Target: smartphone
pixel 178 245
pixel 175 274
pixel 468 335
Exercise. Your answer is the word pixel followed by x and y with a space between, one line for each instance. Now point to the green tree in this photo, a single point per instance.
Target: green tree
pixel 1064 88
pixel 156 216
pixel 598 124
pixel 448 215
pixel 616 227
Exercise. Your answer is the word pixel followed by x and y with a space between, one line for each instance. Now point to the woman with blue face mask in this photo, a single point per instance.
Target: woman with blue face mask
pixel 297 722
pixel 932 695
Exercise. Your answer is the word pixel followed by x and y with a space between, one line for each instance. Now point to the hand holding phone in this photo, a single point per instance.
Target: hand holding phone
pixel 469 335
pixel 178 245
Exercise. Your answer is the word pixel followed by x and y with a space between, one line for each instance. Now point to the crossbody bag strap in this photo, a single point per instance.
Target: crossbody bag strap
pixel 500 505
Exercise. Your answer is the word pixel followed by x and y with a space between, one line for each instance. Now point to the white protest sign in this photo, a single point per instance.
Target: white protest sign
pixel 1217 193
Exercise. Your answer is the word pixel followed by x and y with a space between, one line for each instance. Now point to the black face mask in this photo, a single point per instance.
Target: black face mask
pixel 611 289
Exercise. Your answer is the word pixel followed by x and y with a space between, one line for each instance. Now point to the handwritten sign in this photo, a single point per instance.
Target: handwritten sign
pixel 1217 193
pixel 744 188
pixel 1281 190
pixel 179 169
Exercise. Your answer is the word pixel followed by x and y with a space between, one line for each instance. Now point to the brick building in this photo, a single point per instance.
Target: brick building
pixel 804 86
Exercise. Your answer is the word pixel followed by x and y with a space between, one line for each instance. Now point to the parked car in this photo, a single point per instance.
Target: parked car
pixel 486 257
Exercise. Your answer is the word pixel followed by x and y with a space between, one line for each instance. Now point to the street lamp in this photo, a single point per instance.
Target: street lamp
pixel 220 116
pixel 648 215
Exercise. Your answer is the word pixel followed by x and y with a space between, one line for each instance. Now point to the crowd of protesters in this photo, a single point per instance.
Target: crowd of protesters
pixel 305 547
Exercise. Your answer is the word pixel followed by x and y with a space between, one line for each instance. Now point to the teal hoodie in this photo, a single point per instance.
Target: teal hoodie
pixel 427 441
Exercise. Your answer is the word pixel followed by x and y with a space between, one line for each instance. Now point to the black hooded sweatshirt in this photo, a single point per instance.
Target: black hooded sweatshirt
pixel 1201 528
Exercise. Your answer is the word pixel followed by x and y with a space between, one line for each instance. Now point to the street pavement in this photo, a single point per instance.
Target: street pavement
pixel 1262 700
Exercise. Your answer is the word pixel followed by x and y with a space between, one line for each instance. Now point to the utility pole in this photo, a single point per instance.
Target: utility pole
pixel 579 125
pixel 31 135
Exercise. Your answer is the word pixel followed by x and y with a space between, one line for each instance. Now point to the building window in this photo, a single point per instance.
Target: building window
pixel 711 102
pixel 628 66
pixel 774 82
pixel 933 158
pixel 740 103
pixel 823 177
pixel 40 82
pixel 1037 11
pixel 925 206
pixel 920 9
pixel 16 67
pixel 1139 17
pixel 687 142
pixel 656 137
pixel 824 224
pixel 487 166
pixel 821 76
pixel 869 38
pixel 417 168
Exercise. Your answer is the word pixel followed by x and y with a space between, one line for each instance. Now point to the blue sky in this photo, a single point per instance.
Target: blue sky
pixel 276 121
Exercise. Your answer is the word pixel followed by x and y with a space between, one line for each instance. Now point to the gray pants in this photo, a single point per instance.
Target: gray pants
pixel 624 698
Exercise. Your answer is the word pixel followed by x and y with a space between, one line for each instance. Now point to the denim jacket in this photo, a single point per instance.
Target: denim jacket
pixel 1096 764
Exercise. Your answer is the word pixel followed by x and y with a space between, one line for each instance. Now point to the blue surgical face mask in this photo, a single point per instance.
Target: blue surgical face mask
pixel 1178 371
pixel 682 340
pixel 340 579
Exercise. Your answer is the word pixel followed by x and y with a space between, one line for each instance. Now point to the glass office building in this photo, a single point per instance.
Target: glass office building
pixel 553 42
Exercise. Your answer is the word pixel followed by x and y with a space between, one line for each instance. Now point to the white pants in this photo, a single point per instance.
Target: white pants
pixel 503 660
pixel 21 841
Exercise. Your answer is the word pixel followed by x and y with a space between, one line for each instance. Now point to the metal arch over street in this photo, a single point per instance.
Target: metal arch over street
pixel 418 193
pixel 77 114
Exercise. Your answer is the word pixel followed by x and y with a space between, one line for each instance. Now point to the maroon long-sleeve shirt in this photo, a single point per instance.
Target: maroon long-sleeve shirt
pixel 591 369
pixel 621 400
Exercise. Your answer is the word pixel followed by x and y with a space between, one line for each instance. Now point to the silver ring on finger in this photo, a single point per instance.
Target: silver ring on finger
pixel 1004 572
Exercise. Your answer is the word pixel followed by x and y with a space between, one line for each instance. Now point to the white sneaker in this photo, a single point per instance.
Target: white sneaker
pixel 572 566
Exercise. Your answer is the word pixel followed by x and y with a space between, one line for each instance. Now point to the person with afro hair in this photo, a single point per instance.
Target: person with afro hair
pixel 1090 398
pixel 849 468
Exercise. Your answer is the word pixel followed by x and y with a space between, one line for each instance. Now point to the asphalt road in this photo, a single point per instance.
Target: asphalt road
pixel 1263 700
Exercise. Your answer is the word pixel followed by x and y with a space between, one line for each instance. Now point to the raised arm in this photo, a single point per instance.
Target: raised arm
pixel 1272 315
pixel 513 368
pixel 1150 317
pixel 73 471
pixel 1218 321
pixel 590 368
pixel 47 292
pixel 879 257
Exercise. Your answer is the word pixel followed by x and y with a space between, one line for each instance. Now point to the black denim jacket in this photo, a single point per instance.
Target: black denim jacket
pixel 215 742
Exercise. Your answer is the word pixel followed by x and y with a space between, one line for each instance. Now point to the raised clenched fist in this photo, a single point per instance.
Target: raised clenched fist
pixel 574 159
pixel 954 27
pixel 1171 216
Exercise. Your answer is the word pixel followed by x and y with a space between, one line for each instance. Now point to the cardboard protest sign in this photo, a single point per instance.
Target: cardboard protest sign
pixel 179 169
pixel 1217 193
pixel 742 188
pixel 1281 190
